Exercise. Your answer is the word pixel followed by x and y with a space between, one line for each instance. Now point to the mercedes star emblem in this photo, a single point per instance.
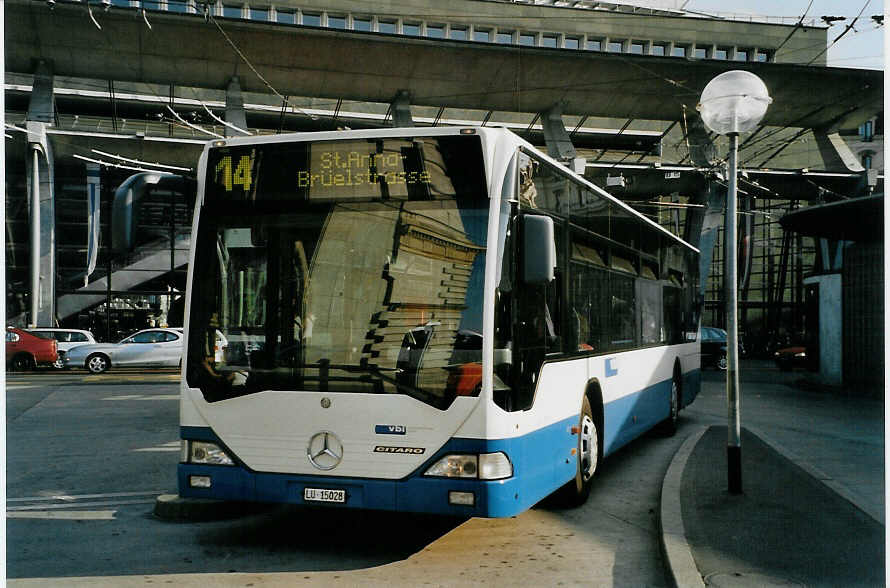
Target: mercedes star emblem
pixel 325 450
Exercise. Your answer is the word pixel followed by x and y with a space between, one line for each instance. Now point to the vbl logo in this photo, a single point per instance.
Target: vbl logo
pixel 390 429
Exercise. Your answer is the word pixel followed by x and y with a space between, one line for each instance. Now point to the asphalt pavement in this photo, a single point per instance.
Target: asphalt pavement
pixel 811 511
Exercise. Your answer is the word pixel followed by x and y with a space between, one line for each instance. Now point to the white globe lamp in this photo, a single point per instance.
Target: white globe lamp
pixel 734 102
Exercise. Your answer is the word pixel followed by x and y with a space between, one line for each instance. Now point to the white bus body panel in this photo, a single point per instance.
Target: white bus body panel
pixel 284 422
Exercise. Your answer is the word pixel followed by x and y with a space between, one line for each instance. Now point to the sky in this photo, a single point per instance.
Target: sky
pixel 861 47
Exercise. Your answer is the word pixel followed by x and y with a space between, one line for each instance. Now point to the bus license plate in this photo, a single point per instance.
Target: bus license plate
pixel 324 495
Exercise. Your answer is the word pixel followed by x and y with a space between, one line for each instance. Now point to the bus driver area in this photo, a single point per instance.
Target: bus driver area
pixel 455 336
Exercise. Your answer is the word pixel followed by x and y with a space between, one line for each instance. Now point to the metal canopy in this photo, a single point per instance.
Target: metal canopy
pixel 305 61
pixel 857 219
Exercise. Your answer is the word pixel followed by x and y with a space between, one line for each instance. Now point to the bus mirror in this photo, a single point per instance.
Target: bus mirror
pixel 538 249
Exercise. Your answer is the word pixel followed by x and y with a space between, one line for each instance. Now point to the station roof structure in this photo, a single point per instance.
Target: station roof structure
pixel 189 50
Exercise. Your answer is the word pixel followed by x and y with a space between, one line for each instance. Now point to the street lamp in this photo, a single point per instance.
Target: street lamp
pixel 733 102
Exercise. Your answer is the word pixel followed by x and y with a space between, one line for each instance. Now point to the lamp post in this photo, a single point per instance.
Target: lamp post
pixel 733 102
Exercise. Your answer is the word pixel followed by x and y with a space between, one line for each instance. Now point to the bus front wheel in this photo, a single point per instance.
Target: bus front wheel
pixel 576 491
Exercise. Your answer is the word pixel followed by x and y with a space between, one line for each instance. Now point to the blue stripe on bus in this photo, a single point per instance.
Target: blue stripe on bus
pixel 542 462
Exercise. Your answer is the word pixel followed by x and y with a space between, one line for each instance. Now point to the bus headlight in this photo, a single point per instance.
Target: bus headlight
pixel 486 466
pixel 494 466
pixel 204 452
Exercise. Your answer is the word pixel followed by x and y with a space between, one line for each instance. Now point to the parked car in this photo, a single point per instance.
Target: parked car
pixel 25 351
pixel 159 347
pixel 65 340
pixel 791 357
pixel 713 347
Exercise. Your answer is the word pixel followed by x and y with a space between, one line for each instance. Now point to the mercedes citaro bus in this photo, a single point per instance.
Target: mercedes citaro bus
pixel 437 320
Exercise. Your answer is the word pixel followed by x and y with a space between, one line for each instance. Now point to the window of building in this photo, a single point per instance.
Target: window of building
pixel 549 40
pixel 459 33
pixel 311 20
pixel 637 47
pixel 615 46
pixel 411 28
pixel 435 31
pixel 232 10
pixel 504 37
pixel 763 56
pixel 721 53
pixel 285 16
pixel 361 23
pixel 700 53
pixel 659 49
pixel 679 51
pixel 259 13
pixel 387 26
pixel 180 6
pixel 527 39
pixel 482 35
pixel 572 43
pixel 867 131
pixel 336 21
pixel 742 54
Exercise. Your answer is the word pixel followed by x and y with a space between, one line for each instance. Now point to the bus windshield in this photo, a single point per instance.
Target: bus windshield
pixel 361 275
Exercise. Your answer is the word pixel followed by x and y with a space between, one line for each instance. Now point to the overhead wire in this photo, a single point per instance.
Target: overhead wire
pixel 796 28
pixel 844 32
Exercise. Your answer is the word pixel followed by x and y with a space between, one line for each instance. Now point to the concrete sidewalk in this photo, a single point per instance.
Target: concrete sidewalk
pixel 794 524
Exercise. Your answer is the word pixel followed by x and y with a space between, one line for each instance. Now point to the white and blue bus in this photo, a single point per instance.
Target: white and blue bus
pixel 428 320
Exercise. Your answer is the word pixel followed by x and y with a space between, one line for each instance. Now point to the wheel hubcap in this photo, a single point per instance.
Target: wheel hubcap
pixel 97 364
pixel 588 444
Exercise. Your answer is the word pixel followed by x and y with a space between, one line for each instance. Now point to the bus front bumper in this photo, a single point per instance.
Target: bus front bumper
pixel 447 496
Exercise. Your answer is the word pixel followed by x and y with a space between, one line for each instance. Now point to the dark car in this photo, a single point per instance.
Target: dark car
pixel 25 351
pixel 713 347
pixel 791 357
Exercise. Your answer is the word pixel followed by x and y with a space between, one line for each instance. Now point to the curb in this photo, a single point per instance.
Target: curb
pixel 681 567
pixel 832 484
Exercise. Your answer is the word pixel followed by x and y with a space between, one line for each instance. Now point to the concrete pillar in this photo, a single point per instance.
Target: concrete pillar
pixel 559 143
pixel 401 110
pixel 40 180
pixel 715 201
pixel 835 151
pixel 40 177
pixel 831 328
pixel 235 108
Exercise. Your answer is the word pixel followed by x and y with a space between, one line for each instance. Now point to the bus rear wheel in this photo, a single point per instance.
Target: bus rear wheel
pixel 576 491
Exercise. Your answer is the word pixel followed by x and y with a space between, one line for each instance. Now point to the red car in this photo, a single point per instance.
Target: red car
pixel 25 351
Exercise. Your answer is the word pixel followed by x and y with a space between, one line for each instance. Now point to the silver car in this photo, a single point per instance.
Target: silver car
pixel 159 347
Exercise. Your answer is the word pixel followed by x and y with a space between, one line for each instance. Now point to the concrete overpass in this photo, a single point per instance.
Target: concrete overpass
pixel 189 50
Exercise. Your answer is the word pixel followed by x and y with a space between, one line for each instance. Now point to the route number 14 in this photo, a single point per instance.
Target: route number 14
pixel 240 176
